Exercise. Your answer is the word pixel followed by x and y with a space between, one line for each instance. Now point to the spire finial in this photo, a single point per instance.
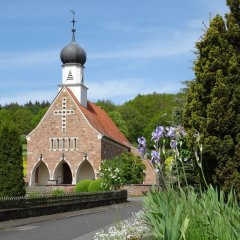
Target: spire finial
pixel 73 29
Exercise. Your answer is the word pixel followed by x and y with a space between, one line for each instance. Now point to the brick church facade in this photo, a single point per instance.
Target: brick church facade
pixel 74 135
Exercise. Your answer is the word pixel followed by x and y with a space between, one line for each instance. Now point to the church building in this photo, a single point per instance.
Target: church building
pixel 74 135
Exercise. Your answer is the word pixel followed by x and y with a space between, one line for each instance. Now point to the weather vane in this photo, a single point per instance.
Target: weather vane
pixel 73 29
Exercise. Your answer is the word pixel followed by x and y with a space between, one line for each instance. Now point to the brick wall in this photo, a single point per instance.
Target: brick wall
pixel 110 150
pixel 150 175
pixel 137 189
pixel 51 127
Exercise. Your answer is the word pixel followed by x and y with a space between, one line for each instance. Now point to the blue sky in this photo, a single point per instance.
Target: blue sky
pixel 133 46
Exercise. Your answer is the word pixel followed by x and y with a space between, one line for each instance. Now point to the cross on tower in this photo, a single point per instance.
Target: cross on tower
pixel 73 29
pixel 64 112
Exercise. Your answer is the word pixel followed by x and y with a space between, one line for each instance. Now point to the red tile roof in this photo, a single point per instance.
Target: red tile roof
pixel 100 121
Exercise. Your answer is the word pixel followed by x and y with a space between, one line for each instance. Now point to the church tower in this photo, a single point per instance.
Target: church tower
pixel 73 58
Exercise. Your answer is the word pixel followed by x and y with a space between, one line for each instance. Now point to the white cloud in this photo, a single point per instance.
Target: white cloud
pixel 120 90
pixel 129 88
pixel 179 43
pixel 26 96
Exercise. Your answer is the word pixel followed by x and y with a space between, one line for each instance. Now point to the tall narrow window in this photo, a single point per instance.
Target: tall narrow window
pixel 52 146
pixel 75 143
pixel 63 144
pixel 69 143
pixel 57 144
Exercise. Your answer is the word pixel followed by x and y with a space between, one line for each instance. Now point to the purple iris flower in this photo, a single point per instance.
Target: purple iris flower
pixel 183 132
pixel 171 132
pixel 142 146
pixel 142 151
pixel 173 144
pixel 158 133
pixel 155 157
pixel 142 141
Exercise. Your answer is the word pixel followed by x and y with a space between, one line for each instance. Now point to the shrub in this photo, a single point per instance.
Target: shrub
pixel 122 169
pixel 58 192
pixel 96 186
pixel 82 186
pixel 11 163
pixel 110 175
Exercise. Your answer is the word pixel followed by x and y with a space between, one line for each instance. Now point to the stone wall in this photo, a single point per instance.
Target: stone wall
pixel 137 189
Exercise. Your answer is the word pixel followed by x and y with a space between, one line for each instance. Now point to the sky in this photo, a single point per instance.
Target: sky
pixel 133 46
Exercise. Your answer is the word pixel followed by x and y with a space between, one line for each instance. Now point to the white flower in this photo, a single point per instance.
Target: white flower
pixel 134 228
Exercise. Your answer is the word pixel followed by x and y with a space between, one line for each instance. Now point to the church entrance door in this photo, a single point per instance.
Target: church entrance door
pixel 40 175
pixel 63 173
pixel 85 171
pixel 67 175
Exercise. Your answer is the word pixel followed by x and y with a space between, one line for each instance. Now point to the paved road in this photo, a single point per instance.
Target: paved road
pixel 78 225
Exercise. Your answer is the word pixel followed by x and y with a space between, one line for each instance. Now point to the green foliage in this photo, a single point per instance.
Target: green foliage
pixel 11 163
pixel 213 97
pixel 111 175
pixel 96 186
pixel 123 169
pixel 179 215
pixel 24 117
pixel 145 112
pixel 107 105
pixel 82 186
pixel 132 168
pixel 57 192
pixel 37 118
pixel 34 194
pixel 120 123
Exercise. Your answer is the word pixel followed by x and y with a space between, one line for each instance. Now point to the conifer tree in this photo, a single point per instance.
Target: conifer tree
pixel 11 165
pixel 213 98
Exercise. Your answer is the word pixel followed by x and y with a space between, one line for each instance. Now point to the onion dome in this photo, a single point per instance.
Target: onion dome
pixel 73 53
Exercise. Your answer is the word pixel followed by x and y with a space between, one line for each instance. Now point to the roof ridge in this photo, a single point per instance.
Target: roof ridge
pixel 100 121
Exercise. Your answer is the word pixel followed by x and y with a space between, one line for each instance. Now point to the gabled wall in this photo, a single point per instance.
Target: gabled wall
pixel 50 127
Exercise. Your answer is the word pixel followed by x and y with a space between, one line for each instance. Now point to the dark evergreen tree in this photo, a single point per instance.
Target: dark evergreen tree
pixel 11 164
pixel 213 99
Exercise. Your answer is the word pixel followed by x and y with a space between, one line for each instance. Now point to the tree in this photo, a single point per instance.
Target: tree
pixel 118 120
pixel 135 121
pixel 11 165
pixel 140 112
pixel 107 105
pixel 213 97
pixel 22 118
pixel 125 168
pixel 37 118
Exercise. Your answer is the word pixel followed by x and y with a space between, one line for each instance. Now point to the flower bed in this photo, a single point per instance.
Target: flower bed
pixel 131 229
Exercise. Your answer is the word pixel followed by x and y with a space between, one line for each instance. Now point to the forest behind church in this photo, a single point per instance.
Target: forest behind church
pixel 135 118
